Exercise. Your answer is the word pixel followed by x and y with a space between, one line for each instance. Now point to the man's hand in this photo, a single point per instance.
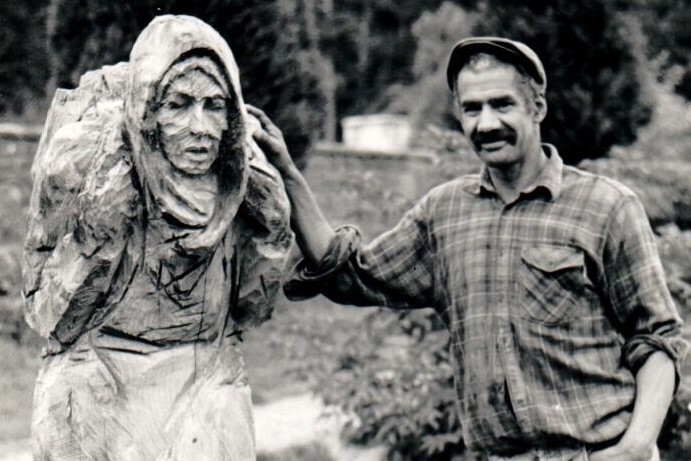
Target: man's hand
pixel 312 230
pixel 654 391
pixel 270 139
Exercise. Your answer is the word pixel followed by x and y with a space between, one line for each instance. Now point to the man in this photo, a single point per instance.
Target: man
pixel 565 341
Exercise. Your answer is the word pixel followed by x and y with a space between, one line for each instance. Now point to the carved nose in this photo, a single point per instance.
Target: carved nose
pixel 197 124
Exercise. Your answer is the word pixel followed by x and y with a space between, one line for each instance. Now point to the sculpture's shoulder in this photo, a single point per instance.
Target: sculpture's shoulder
pixel 265 240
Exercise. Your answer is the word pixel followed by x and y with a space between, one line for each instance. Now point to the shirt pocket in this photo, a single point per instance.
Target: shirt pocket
pixel 554 283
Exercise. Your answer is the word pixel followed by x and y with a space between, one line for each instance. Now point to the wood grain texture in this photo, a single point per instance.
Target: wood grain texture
pixel 141 299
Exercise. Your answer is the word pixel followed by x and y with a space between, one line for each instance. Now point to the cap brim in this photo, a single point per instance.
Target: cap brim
pixel 503 49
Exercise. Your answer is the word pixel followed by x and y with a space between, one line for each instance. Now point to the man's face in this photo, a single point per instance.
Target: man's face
pixel 191 120
pixel 495 116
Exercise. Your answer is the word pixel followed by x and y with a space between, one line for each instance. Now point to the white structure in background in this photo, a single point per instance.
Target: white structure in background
pixel 377 132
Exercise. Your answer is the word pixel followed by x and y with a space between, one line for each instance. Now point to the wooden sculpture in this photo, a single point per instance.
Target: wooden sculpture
pixel 157 233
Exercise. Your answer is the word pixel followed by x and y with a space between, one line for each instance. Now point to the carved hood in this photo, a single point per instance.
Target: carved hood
pixel 164 42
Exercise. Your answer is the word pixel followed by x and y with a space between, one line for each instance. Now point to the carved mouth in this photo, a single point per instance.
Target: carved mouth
pixel 197 150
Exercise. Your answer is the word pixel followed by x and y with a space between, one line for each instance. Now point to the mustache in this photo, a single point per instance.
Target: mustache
pixel 482 137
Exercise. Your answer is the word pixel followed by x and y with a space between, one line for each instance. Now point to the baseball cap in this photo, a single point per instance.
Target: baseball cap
pixel 513 52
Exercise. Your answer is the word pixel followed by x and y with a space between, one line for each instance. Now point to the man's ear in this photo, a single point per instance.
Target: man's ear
pixel 540 111
pixel 456 111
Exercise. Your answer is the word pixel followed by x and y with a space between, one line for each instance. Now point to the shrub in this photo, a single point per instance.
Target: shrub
pixel 394 376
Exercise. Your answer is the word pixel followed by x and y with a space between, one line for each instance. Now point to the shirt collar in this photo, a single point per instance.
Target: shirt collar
pixel 550 178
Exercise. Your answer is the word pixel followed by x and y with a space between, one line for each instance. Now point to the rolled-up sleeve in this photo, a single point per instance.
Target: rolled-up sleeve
pixel 395 270
pixel 638 291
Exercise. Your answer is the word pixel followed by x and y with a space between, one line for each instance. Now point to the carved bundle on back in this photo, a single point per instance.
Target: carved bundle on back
pixel 81 144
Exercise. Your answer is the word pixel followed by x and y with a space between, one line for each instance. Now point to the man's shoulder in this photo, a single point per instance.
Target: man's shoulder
pixel 449 195
pixel 577 180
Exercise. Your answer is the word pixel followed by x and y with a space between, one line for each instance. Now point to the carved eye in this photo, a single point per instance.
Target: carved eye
pixel 175 100
pixel 215 104
pixel 176 104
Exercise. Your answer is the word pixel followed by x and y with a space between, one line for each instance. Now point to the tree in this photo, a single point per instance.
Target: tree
pixel 666 25
pixel 428 100
pixel 371 46
pixel 22 54
pixel 86 34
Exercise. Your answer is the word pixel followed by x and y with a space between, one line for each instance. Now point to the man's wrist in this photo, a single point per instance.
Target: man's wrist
pixel 636 442
pixel 290 173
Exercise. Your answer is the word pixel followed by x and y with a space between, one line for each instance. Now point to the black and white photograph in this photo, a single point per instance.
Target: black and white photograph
pixel 345 230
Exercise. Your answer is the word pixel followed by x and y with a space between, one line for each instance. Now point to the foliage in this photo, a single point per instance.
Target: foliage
pixel 427 100
pixel 676 431
pixel 395 379
pixel 666 24
pixel 675 248
pixel 85 34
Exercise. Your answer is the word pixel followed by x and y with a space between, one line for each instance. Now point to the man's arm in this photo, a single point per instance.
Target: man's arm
pixel 654 391
pixel 312 231
pixel 651 324
pixel 396 269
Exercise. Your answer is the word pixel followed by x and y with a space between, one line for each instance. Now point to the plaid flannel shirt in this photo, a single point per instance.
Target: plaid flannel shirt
pixel 553 301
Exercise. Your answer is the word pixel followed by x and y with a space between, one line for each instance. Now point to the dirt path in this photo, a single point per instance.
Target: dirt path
pixel 303 420
pixel 15 451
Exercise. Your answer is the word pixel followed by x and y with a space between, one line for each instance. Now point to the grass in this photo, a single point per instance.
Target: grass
pixel 18 368
pixel 280 353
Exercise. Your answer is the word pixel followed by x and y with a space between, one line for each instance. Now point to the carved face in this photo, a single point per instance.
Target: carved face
pixel 191 120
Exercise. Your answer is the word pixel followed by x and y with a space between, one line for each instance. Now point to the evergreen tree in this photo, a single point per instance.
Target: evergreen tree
pixel 23 73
